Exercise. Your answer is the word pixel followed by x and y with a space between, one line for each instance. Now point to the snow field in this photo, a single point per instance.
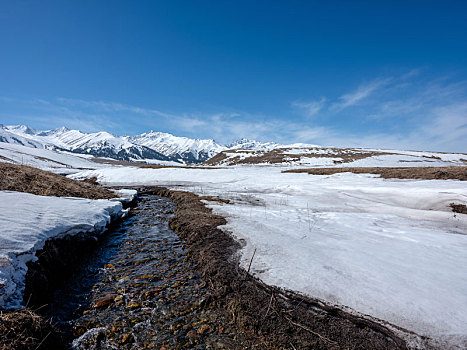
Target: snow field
pixel 392 249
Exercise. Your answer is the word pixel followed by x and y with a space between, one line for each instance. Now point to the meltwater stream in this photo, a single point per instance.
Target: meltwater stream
pixel 139 291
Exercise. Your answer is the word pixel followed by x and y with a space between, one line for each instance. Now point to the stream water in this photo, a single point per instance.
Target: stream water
pixel 139 291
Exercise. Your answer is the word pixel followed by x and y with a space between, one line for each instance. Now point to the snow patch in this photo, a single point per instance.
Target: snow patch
pixel 27 221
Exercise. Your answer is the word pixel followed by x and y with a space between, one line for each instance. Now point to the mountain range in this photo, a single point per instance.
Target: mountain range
pixel 150 146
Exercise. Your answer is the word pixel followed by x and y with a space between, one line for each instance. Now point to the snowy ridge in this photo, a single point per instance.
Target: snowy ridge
pixel 10 137
pixel 45 159
pixel 180 148
pixel 145 147
pixel 305 155
pixel 246 144
pixel 100 144
pixel 52 217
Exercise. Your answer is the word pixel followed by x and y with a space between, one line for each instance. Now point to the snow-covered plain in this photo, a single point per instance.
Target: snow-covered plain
pixel 27 221
pixel 388 248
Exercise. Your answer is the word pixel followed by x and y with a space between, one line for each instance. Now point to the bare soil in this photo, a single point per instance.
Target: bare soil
pixel 426 173
pixel 23 178
pixel 280 319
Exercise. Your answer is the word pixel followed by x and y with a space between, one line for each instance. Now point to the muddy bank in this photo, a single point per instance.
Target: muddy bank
pixel 280 319
pixel 425 173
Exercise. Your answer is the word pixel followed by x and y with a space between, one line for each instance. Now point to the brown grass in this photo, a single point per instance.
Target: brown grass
pixel 426 173
pixel 458 208
pixel 279 319
pixel 23 178
pixel 278 156
pixel 24 329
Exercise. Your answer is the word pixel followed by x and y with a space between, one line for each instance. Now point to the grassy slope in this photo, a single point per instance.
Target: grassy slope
pixel 23 178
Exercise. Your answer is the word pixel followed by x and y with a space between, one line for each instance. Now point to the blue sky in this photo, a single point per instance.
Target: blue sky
pixel 345 73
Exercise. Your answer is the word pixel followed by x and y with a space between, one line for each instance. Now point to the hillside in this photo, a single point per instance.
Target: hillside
pixel 316 156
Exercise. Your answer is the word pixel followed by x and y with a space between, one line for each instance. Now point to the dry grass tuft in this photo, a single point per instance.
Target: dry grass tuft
pixel 458 208
pixel 24 329
pixel 23 178
pixel 426 173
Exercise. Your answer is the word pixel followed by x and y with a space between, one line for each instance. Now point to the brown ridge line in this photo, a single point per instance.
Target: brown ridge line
pixel 422 173
pixel 281 319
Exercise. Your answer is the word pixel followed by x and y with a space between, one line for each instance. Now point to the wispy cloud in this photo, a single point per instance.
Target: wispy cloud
pixel 444 130
pixel 310 108
pixel 111 107
pixel 361 93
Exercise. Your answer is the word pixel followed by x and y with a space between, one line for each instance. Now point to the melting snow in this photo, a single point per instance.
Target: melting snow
pixel 391 249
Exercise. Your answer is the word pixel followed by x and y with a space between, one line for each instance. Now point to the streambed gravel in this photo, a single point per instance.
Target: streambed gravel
pixel 141 292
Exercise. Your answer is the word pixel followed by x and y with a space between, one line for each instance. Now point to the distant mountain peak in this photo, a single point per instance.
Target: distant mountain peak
pixel 22 129
pixel 244 143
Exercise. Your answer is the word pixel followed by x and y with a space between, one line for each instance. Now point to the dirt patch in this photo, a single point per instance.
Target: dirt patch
pixel 214 199
pixel 280 319
pixel 426 173
pixel 23 178
pixel 24 329
pixel 458 208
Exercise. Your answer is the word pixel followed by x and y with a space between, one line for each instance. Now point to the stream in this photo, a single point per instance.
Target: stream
pixel 139 291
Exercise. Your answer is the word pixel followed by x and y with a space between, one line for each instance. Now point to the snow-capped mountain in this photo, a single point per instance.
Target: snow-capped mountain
pixel 10 137
pixel 178 148
pixel 148 146
pixel 100 144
